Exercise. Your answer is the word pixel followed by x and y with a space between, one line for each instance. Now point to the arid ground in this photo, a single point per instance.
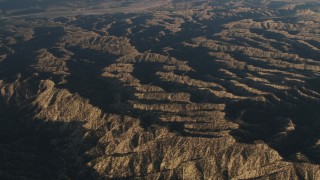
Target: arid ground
pixel 144 89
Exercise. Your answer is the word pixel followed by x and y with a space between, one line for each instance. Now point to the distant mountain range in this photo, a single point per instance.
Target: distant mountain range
pixel 18 8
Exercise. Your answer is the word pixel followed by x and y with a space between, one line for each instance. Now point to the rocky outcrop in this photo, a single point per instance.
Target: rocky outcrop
pixel 192 90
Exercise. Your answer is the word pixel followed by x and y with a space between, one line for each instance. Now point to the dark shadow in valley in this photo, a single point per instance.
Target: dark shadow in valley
pixel 146 73
pixel 85 70
pixel 34 146
pixel 85 79
pixel 148 120
pixel 39 149
pixel 268 121
pixel 290 126
pixel 19 63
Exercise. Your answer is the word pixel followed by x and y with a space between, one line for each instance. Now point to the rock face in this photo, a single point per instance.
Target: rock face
pixel 191 90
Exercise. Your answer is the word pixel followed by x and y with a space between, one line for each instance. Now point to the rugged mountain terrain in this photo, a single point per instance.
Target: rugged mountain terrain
pixel 188 90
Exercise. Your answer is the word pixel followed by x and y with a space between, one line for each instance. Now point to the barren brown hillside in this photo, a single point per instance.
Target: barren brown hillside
pixel 154 90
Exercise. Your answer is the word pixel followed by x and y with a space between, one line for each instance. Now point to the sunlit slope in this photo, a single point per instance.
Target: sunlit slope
pixel 199 90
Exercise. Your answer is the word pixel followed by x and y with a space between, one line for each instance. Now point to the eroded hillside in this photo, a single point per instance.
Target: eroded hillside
pixel 191 90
